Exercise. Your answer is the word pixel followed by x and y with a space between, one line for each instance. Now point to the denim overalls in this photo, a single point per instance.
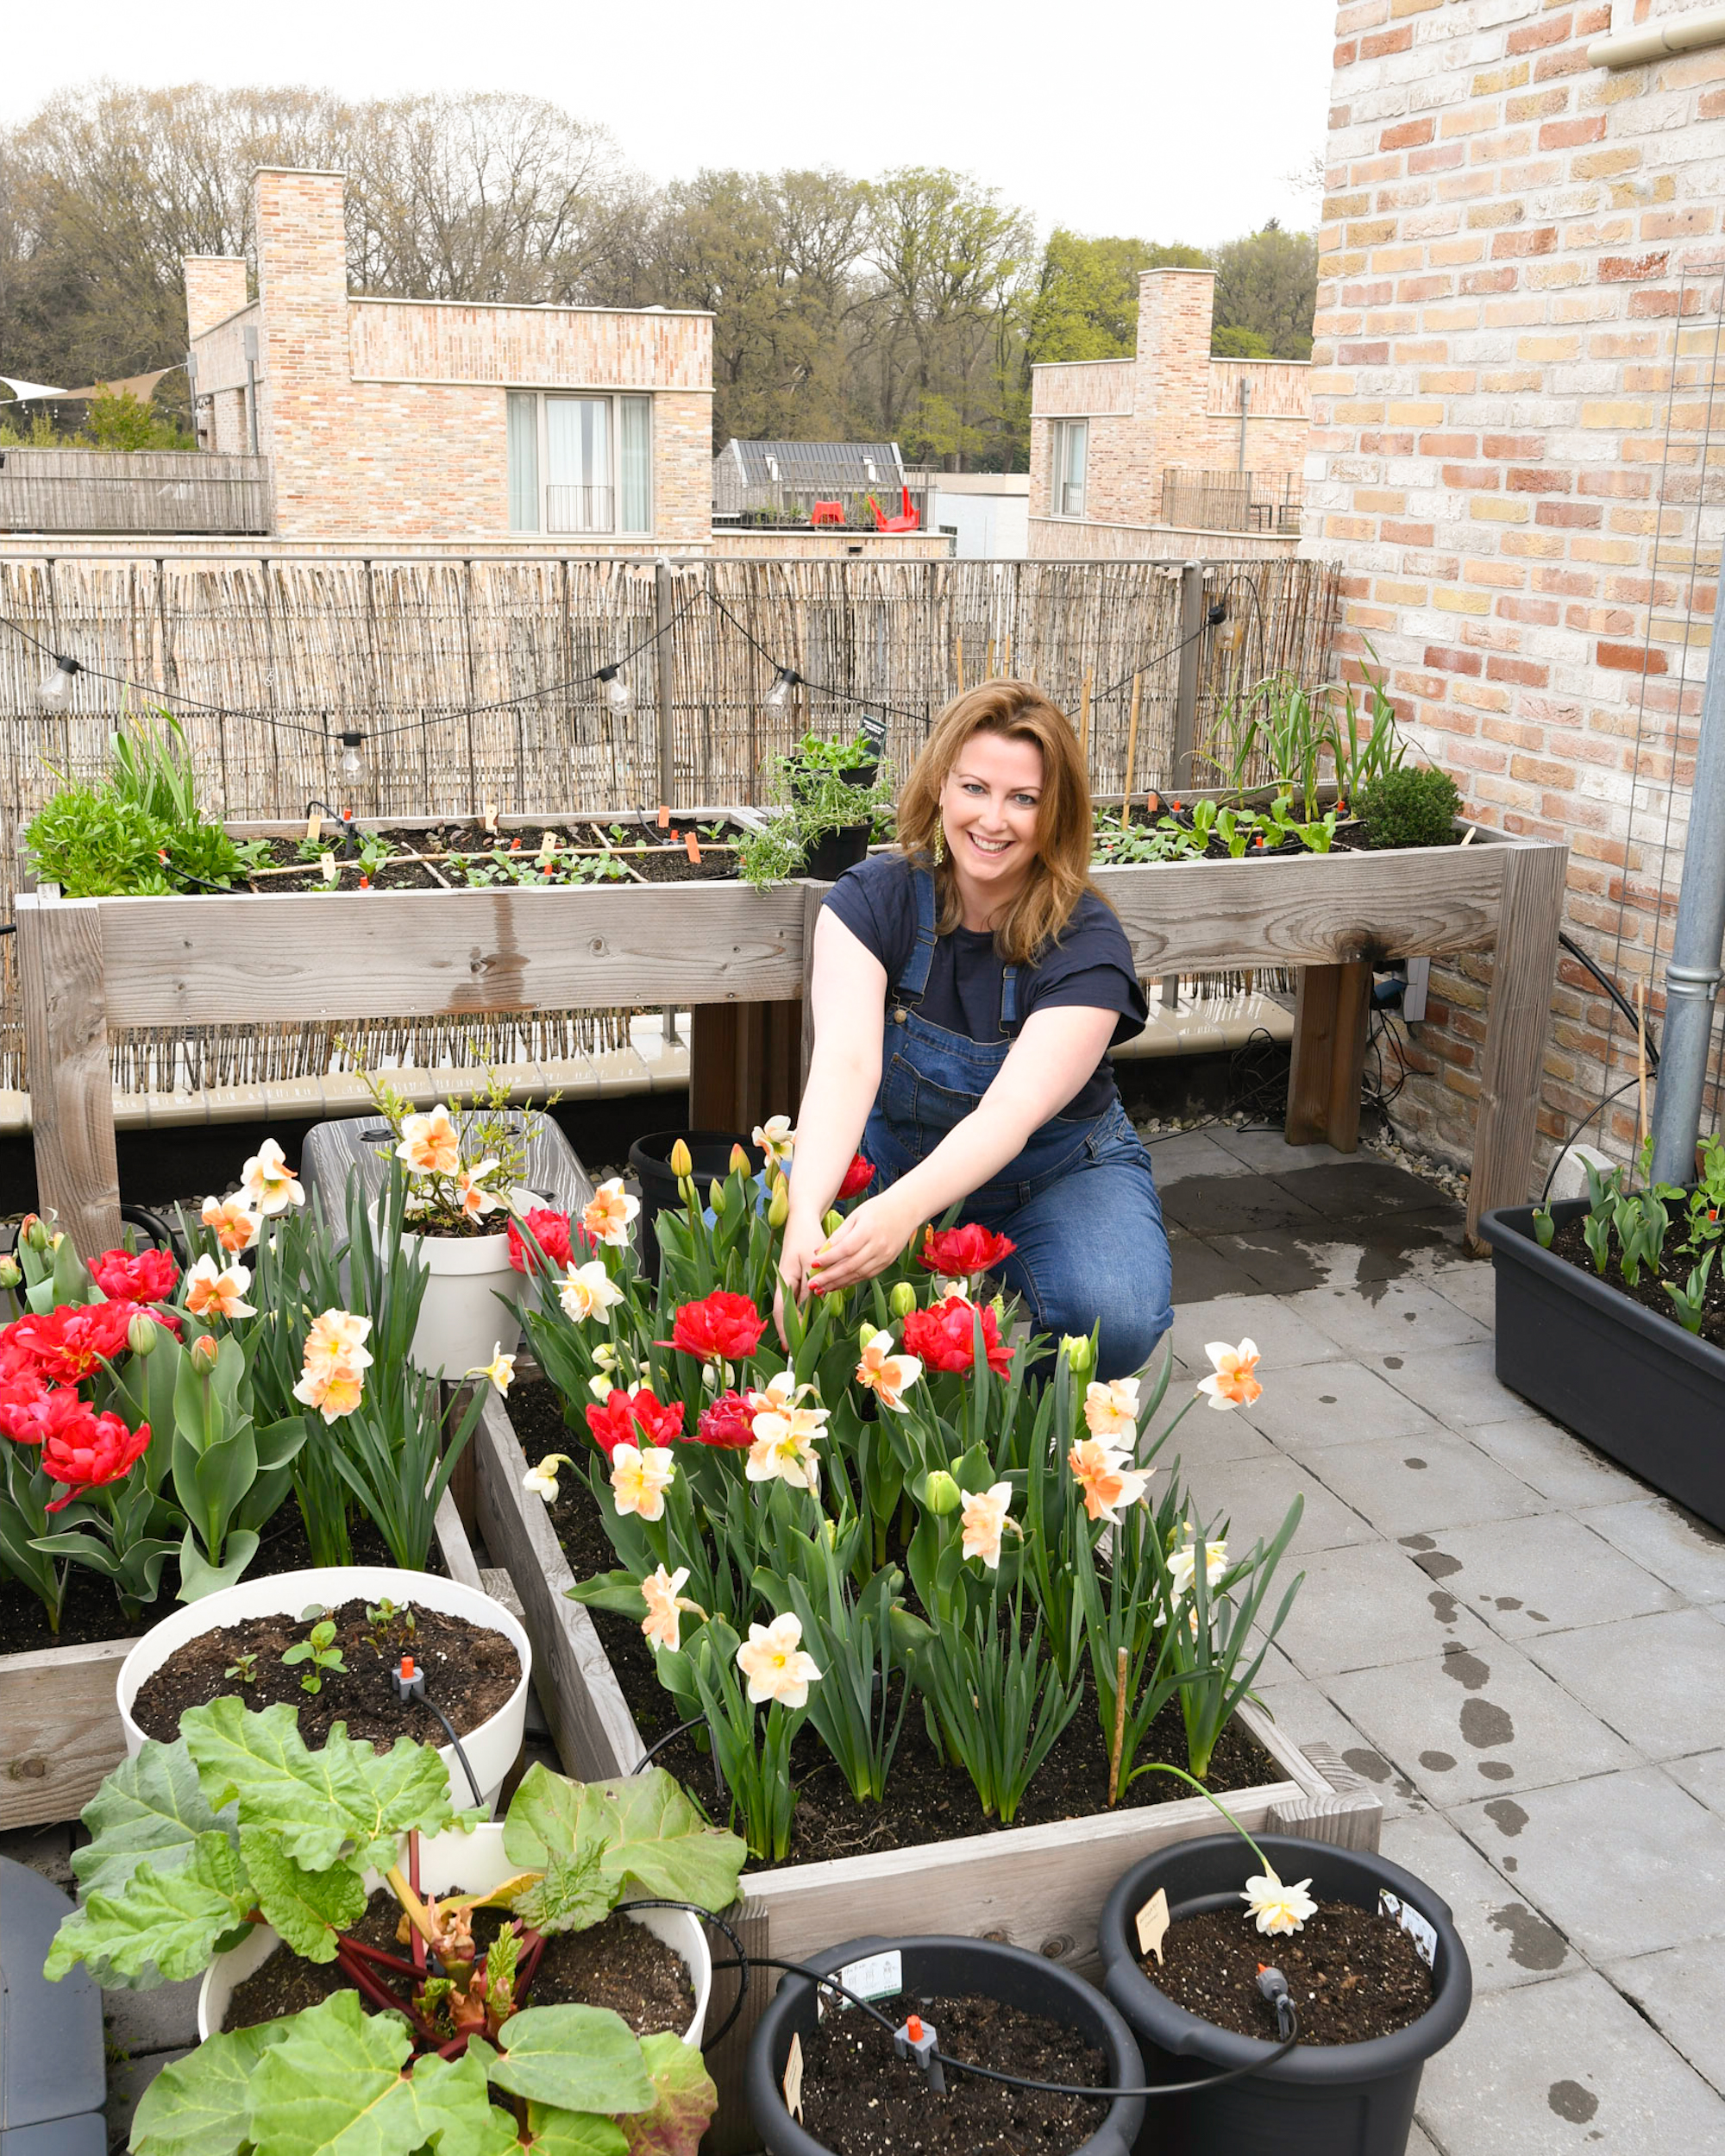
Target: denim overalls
pixel 1079 1201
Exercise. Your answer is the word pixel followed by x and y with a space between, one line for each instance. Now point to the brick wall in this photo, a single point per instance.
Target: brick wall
pixel 1498 459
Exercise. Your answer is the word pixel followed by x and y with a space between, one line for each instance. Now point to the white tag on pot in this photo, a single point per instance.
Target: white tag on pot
pixel 1152 1922
pixel 326 862
pixel 1424 1938
pixel 876 1977
pixel 314 826
pixel 793 2078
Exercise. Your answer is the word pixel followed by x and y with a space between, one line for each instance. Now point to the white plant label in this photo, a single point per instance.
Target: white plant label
pixel 1152 1922
pixel 326 862
pixel 314 826
pixel 1424 1938
pixel 876 1977
pixel 793 2078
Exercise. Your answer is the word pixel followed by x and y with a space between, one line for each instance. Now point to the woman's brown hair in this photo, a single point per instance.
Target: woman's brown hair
pixel 1060 875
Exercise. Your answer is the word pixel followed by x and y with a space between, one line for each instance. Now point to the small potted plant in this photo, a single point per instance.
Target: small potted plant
pixel 834 798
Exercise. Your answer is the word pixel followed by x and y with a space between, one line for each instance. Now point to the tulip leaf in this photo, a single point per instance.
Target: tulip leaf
pixel 199 1577
pixel 334 2084
pixel 558 2133
pixel 201 2105
pixel 164 1924
pixel 578 2057
pixel 306 1908
pixel 618 1591
pixel 153 1807
pixel 345 1802
pixel 684 2101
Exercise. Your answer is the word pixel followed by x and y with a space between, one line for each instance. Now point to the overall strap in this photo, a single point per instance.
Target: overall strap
pixel 1009 999
pixel 913 981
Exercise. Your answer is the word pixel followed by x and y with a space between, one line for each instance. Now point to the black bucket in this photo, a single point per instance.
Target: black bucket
pixel 828 859
pixel 1320 2100
pixel 958 1967
pixel 649 1162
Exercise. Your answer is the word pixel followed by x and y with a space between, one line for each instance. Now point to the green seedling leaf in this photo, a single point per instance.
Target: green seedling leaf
pixel 153 1806
pixel 334 2084
pixel 346 1797
pixel 201 2105
pixel 163 1926
pixel 578 2057
pixel 684 2101
pixel 306 1908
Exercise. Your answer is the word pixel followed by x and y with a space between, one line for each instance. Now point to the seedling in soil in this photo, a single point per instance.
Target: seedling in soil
pixel 384 1618
pixel 321 1651
pixel 244 1667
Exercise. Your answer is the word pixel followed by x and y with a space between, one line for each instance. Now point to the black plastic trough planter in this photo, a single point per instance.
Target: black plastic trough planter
pixel 650 1161
pixel 1326 2100
pixel 1631 1382
pixel 973 1967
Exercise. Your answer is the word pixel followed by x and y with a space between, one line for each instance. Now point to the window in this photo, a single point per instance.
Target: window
pixel 579 464
pixel 1071 446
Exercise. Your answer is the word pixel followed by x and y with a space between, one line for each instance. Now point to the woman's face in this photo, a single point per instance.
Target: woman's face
pixel 988 809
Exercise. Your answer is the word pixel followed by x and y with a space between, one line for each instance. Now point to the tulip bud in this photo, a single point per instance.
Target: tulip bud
pixel 779 1210
pixel 739 1162
pixel 865 1333
pixel 142 1334
pixel 833 1221
pixel 605 1356
pixel 1076 1347
pixel 998 1307
pixel 203 1353
pixel 902 1300
pixel 34 1232
pixel 715 1196
pixel 682 1162
pixel 941 1493
pixel 10 1274
pixel 830 1529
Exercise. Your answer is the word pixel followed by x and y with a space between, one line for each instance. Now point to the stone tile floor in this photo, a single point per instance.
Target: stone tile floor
pixel 1519 1645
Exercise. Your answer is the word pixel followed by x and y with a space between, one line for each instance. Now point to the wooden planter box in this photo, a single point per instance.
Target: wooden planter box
pixel 1040 1886
pixel 59 1724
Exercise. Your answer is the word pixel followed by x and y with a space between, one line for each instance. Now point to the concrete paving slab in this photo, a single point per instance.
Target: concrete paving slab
pixel 1268 1152
pixel 1558 1466
pixel 1529 1576
pixel 1369 1605
pixel 1678 1992
pixel 157 2021
pixel 1397 1317
pixel 1189 1153
pixel 1254 1496
pixel 1427 1483
pixel 1397 1246
pixel 1234 1205
pixel 1668 1541
pixel 1509 1942
pixel 1703 1774
pixel 1317 1406
pixel 1285 1340
pixel 127 2078
pixel 1658 1681
pixel 1564 2069
pixel 1208 1438
pixel 1420 2143
pixel 1304 1711
pixel 1472 1286
pixel 1458 1385
pixel 1622 1864
pixel 1357 1190
pixel 1203 1271
pixel 1477 1720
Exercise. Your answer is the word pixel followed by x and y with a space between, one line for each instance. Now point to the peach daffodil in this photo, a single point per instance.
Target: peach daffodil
pixel 609 1212
pixel 500 1369
pixel 1107 1482
pixel 1276 1909
pixel 471 1194
pixel 213 1291
pixel 662 1592
pixel 1231 1383
pixel 778 1668
pixel 887 1375
pixel 269 1184
pixel 781 1447
pixel 588 1291
pixel 430 1144
pixel 985 1519
pixel 1110 1410
pixel 779 1394
pixel 236 1224
pixel 776 1140
pixel 639 1475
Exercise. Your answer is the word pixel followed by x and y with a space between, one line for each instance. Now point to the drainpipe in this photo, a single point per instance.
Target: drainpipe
pixel 1693 974
pixel 1688 33
pixel 250 334
pixel 1246 406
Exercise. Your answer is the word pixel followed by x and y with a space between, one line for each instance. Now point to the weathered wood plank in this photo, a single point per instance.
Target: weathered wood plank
pixel 199 961
pixel 814 897
pixel 1517 1025
pixel 1330 1014
pixel 65 1033
pixel 60 1729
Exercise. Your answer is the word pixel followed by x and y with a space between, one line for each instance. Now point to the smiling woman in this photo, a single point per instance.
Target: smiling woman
pixel 966 992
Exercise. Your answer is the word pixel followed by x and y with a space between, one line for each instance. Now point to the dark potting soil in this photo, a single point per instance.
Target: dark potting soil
pixel 861 2099
pixel 470 1671
pixel 1571 1245
pixel 927 1799
pixel 616 1964
pixel 92 1610
pixel 1354 1974
pixel 662 859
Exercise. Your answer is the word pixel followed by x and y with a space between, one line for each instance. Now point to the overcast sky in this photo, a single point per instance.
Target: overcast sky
pixel 1169 119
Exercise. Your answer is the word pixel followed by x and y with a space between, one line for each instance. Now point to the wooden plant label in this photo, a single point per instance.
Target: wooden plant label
pixel 327 863
pixel 793 2078
pixel 491 815
pixel 548 845
pixel 314 827
pixel 694 845
pixel 1152 1922
pixel 664 817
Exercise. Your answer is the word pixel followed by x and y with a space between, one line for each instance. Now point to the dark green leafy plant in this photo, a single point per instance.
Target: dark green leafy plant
pixel 1690 1298
pixel 140 835
pixel 815 799
pixel 1413 806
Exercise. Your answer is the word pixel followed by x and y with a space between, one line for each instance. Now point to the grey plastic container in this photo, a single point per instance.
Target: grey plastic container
pixel 52 2079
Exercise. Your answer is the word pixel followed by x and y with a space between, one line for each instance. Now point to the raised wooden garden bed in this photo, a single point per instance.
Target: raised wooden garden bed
pixel 59 1722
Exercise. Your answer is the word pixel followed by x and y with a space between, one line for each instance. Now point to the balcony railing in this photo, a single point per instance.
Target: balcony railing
pixel 579 509
pixel 1230 501
pixel 152 491
pixel 738 508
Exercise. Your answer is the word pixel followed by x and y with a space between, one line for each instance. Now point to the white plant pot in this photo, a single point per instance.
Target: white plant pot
pixel 474 1862
pixel 461 1323
pixel 491 1749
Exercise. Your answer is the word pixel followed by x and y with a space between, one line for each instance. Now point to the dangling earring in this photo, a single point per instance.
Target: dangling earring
pixel 939 844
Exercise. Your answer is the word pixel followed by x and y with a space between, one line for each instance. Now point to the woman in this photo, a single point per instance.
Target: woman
pixel 966 991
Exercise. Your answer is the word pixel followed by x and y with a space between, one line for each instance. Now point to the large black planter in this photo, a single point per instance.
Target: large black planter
pixel 650 1161
pixel 972 1967
pixel 1321 2100
pixel 1631 1382
pixel 827 860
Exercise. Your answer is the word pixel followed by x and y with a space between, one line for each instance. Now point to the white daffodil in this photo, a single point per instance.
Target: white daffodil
pixel 776 1140
pixel 776 1663
pixel 1277 1909
pixel 268 1183
pixel 543 1480
pixel 587 1290
pixel 500 1369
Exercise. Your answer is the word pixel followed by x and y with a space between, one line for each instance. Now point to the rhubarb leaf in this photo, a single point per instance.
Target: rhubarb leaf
pixel 163 1926
pixel 557 2132
pixel 334 2084
pixel 662 1841
pixel 153 1806
pixel 684 2101
pixel 201 2105
pixel 306 1908
pixel 578 2057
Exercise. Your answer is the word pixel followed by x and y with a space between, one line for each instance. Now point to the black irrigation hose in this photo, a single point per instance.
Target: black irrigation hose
pixel 1568 1144
pixel 467 1767
pixel 1641 1022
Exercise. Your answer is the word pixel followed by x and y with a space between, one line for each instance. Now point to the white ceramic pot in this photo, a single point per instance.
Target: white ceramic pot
pixel 491 1749
pixel 474 1862
pixel 462 1322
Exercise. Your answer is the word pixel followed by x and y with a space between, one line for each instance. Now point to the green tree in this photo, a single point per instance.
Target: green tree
pixel 1230 340
pixel 1268 282
pixel 120 420
pixel 1085 304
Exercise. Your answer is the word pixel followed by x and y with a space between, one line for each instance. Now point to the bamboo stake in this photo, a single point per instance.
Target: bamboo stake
pixel 990 675
pixel 961 662
pixel 1119 1744
pixel 1131 738
pixel 1006 657
pixel 1641 1066
pixel 1084 717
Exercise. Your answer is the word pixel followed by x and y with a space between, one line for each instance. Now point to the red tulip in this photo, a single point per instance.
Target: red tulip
pixel 23 1407
pixel 551 1231
pixel 729 1424
pixel 87 1450
pixel 960 1251
pixel 65 1345
pixel 722 1328
pixel 942 1336
pixel 636 1418
pixel 857 1177
pixel 145 1276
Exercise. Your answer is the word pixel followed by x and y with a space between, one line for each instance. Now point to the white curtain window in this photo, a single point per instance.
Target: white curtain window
pixel 1071 446
pixel 578 486
pixel 524 462
pixel 634 464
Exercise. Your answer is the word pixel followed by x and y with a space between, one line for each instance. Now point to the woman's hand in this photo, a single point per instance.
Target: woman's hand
pixel 870 1238
pixel 796 1255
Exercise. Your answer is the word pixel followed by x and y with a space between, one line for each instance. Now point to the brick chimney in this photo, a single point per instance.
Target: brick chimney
pixel 215 288
pixel 304 349
pixel 1174 311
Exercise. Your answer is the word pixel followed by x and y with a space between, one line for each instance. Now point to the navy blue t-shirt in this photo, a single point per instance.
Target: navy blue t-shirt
pixel 1090 967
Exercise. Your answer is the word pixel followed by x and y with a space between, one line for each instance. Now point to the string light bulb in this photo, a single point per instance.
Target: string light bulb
pixel 350 754
pixel 779 694
pixel 615 687
pixel 55 690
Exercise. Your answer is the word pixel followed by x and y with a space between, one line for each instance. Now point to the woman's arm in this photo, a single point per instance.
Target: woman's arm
pixel 1052 1058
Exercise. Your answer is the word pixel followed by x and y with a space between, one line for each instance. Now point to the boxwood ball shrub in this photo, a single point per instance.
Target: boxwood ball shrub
pixel 1415 806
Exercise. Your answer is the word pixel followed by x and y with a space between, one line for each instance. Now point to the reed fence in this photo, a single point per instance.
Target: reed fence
pixel 474 684
pixel 144 491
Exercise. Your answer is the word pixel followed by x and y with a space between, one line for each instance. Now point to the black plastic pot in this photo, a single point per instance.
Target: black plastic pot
pixel 1324 2100
pixel 828 859
pixel 972 1967
pixel 650 1161
pixel 1631 1382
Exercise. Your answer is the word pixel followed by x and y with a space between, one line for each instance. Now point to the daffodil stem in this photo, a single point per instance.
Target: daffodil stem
pixel 1158 1766
pixel 1119 1744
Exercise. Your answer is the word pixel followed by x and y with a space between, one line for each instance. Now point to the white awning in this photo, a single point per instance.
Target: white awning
pixel 24 392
